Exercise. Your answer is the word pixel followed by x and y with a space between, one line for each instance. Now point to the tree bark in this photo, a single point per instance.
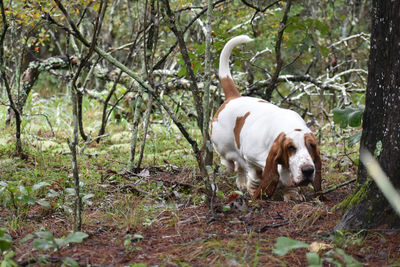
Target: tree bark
pixel 381 121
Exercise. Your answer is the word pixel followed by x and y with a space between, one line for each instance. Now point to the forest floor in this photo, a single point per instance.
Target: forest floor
pixel 177 231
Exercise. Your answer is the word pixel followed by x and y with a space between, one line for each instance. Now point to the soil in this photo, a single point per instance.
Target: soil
pixel 242 233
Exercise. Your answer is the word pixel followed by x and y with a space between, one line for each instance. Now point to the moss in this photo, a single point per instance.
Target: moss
pixel 355 198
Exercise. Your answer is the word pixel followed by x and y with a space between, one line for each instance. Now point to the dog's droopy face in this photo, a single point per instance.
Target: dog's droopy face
pixel 299 152
pixel 294 160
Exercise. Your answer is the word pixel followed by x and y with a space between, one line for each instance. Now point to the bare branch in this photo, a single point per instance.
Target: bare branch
pixel 279 61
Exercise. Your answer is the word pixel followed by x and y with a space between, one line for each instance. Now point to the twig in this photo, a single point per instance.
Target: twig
pixel 91 140
pixel 335 187
pixel 362 35
pixel 272 225
pixel 279 61
pixel 160 63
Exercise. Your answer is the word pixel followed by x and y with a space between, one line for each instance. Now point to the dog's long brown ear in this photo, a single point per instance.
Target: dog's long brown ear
pixel 270 175
pixel 314 151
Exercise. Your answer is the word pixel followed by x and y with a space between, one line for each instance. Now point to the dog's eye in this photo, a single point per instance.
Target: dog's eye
pixel 291 148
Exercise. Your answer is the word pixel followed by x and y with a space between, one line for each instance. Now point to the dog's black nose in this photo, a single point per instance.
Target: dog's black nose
pixel 307 170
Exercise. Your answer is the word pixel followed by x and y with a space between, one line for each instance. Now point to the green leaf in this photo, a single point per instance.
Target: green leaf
pixel 354 139
pixel 348 116
pixel 12 188
pixel 284 244
pixel 26 238
pixel 24 190
pixel 5 242
pixel 323 50
pixel 70 191
pixel 67 261
pixel 44 203
pixel 45 235
pixel 314 260
pixel 27 199
pixel 39 185
pixel 76 237
pixel 355 117
pixel 338 255
pixel 226 208
pixel 137 236
pixel 321 27
pixel 60 242
pixel 42 244
pixel 86 199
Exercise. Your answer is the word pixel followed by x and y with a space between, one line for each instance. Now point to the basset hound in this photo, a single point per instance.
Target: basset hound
pixel 266 145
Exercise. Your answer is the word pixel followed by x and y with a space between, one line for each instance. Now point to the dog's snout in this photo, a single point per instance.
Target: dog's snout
pixel 307 170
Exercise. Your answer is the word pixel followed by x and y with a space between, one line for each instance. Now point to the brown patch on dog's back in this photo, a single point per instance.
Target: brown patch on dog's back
pixel 238 127
pixel 298 130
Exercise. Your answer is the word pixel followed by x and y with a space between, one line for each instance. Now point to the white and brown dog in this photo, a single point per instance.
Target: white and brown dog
pixel 266 145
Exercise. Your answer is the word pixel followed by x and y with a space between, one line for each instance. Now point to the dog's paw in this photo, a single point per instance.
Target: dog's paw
pixel 293 194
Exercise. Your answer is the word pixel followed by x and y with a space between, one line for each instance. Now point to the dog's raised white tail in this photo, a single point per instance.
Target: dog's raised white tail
pixel 224 70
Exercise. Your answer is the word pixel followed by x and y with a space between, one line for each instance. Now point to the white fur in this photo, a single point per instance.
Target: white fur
pixel 263 124
pixel 224 70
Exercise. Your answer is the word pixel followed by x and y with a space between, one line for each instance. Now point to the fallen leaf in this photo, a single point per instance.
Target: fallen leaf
pixel 317 246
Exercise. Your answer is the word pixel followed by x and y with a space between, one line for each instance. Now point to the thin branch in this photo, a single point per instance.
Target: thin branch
pixel 161 62
pixel 279 61
pixel 48 122
pixel 333 188
pixel 188 65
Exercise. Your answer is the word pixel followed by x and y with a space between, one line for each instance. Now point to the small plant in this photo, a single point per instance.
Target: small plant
pixel 6 254
pixel 20 195
pixel 349 116
pixel 334 255
pixel 130 240
pixel 67 197
pixel 45 240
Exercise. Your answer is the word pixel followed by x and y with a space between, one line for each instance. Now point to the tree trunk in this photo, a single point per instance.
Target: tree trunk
pixel 381 121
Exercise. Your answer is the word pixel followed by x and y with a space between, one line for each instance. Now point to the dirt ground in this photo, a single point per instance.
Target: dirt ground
pixel 187 235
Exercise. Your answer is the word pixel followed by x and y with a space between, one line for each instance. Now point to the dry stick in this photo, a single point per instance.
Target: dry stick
pixel 272 225
pixel 258 10
pixel 333 188
pixel 146 127
pixel 279 61
pixel 75 31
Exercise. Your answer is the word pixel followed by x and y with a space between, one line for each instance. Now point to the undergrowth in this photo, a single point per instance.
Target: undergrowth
pixel 40 186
